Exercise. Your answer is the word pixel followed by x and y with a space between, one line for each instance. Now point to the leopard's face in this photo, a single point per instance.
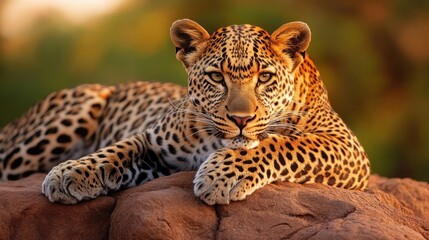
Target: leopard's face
pixel 240 79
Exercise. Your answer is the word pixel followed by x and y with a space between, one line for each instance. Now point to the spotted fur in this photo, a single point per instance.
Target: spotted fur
pixel 255 111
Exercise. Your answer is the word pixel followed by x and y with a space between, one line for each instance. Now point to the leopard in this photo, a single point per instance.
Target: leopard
pixel 254 112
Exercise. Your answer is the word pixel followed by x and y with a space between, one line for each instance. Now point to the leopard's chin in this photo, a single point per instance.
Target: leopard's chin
pixel 240 142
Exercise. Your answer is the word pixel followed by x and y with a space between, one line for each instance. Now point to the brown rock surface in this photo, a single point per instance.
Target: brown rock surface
pixel 167 209
pixel 26 214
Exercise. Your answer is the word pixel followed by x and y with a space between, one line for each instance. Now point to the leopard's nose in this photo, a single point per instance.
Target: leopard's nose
pixel 240 121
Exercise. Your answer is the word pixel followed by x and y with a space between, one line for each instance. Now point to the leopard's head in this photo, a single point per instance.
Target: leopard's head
pixel 240 76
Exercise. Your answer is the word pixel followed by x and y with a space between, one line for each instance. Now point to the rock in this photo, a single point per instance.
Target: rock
pixel 26 214
pixel 164 209
pixel 412 194
pixel 292 211
pixel 167 209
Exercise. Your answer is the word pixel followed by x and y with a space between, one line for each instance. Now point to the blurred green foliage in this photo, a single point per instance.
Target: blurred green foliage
pixel 373 57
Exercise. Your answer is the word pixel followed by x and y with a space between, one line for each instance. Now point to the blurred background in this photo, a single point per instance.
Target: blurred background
pixel 373 56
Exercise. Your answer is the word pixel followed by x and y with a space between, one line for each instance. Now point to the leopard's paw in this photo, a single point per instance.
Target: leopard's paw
pixel 221 178
pixel 71 182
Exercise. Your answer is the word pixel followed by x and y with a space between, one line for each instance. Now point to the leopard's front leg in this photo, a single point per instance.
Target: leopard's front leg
pixel 233 174
pixel 109 169
pixel 226 176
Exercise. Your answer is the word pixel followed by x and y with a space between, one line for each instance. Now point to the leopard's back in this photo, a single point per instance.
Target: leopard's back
pixel 71 123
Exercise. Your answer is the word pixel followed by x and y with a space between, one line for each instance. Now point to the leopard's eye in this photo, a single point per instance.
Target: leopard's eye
pixel 216 76
pixel 265 77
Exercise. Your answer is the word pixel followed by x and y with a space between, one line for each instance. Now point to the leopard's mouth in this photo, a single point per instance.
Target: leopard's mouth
pixel 240 142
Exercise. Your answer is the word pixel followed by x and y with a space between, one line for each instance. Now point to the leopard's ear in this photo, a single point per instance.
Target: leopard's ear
pixel 190 40
pixel 292 40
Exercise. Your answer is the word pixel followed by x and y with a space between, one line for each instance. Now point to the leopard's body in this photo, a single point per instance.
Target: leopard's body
pixel 255 111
